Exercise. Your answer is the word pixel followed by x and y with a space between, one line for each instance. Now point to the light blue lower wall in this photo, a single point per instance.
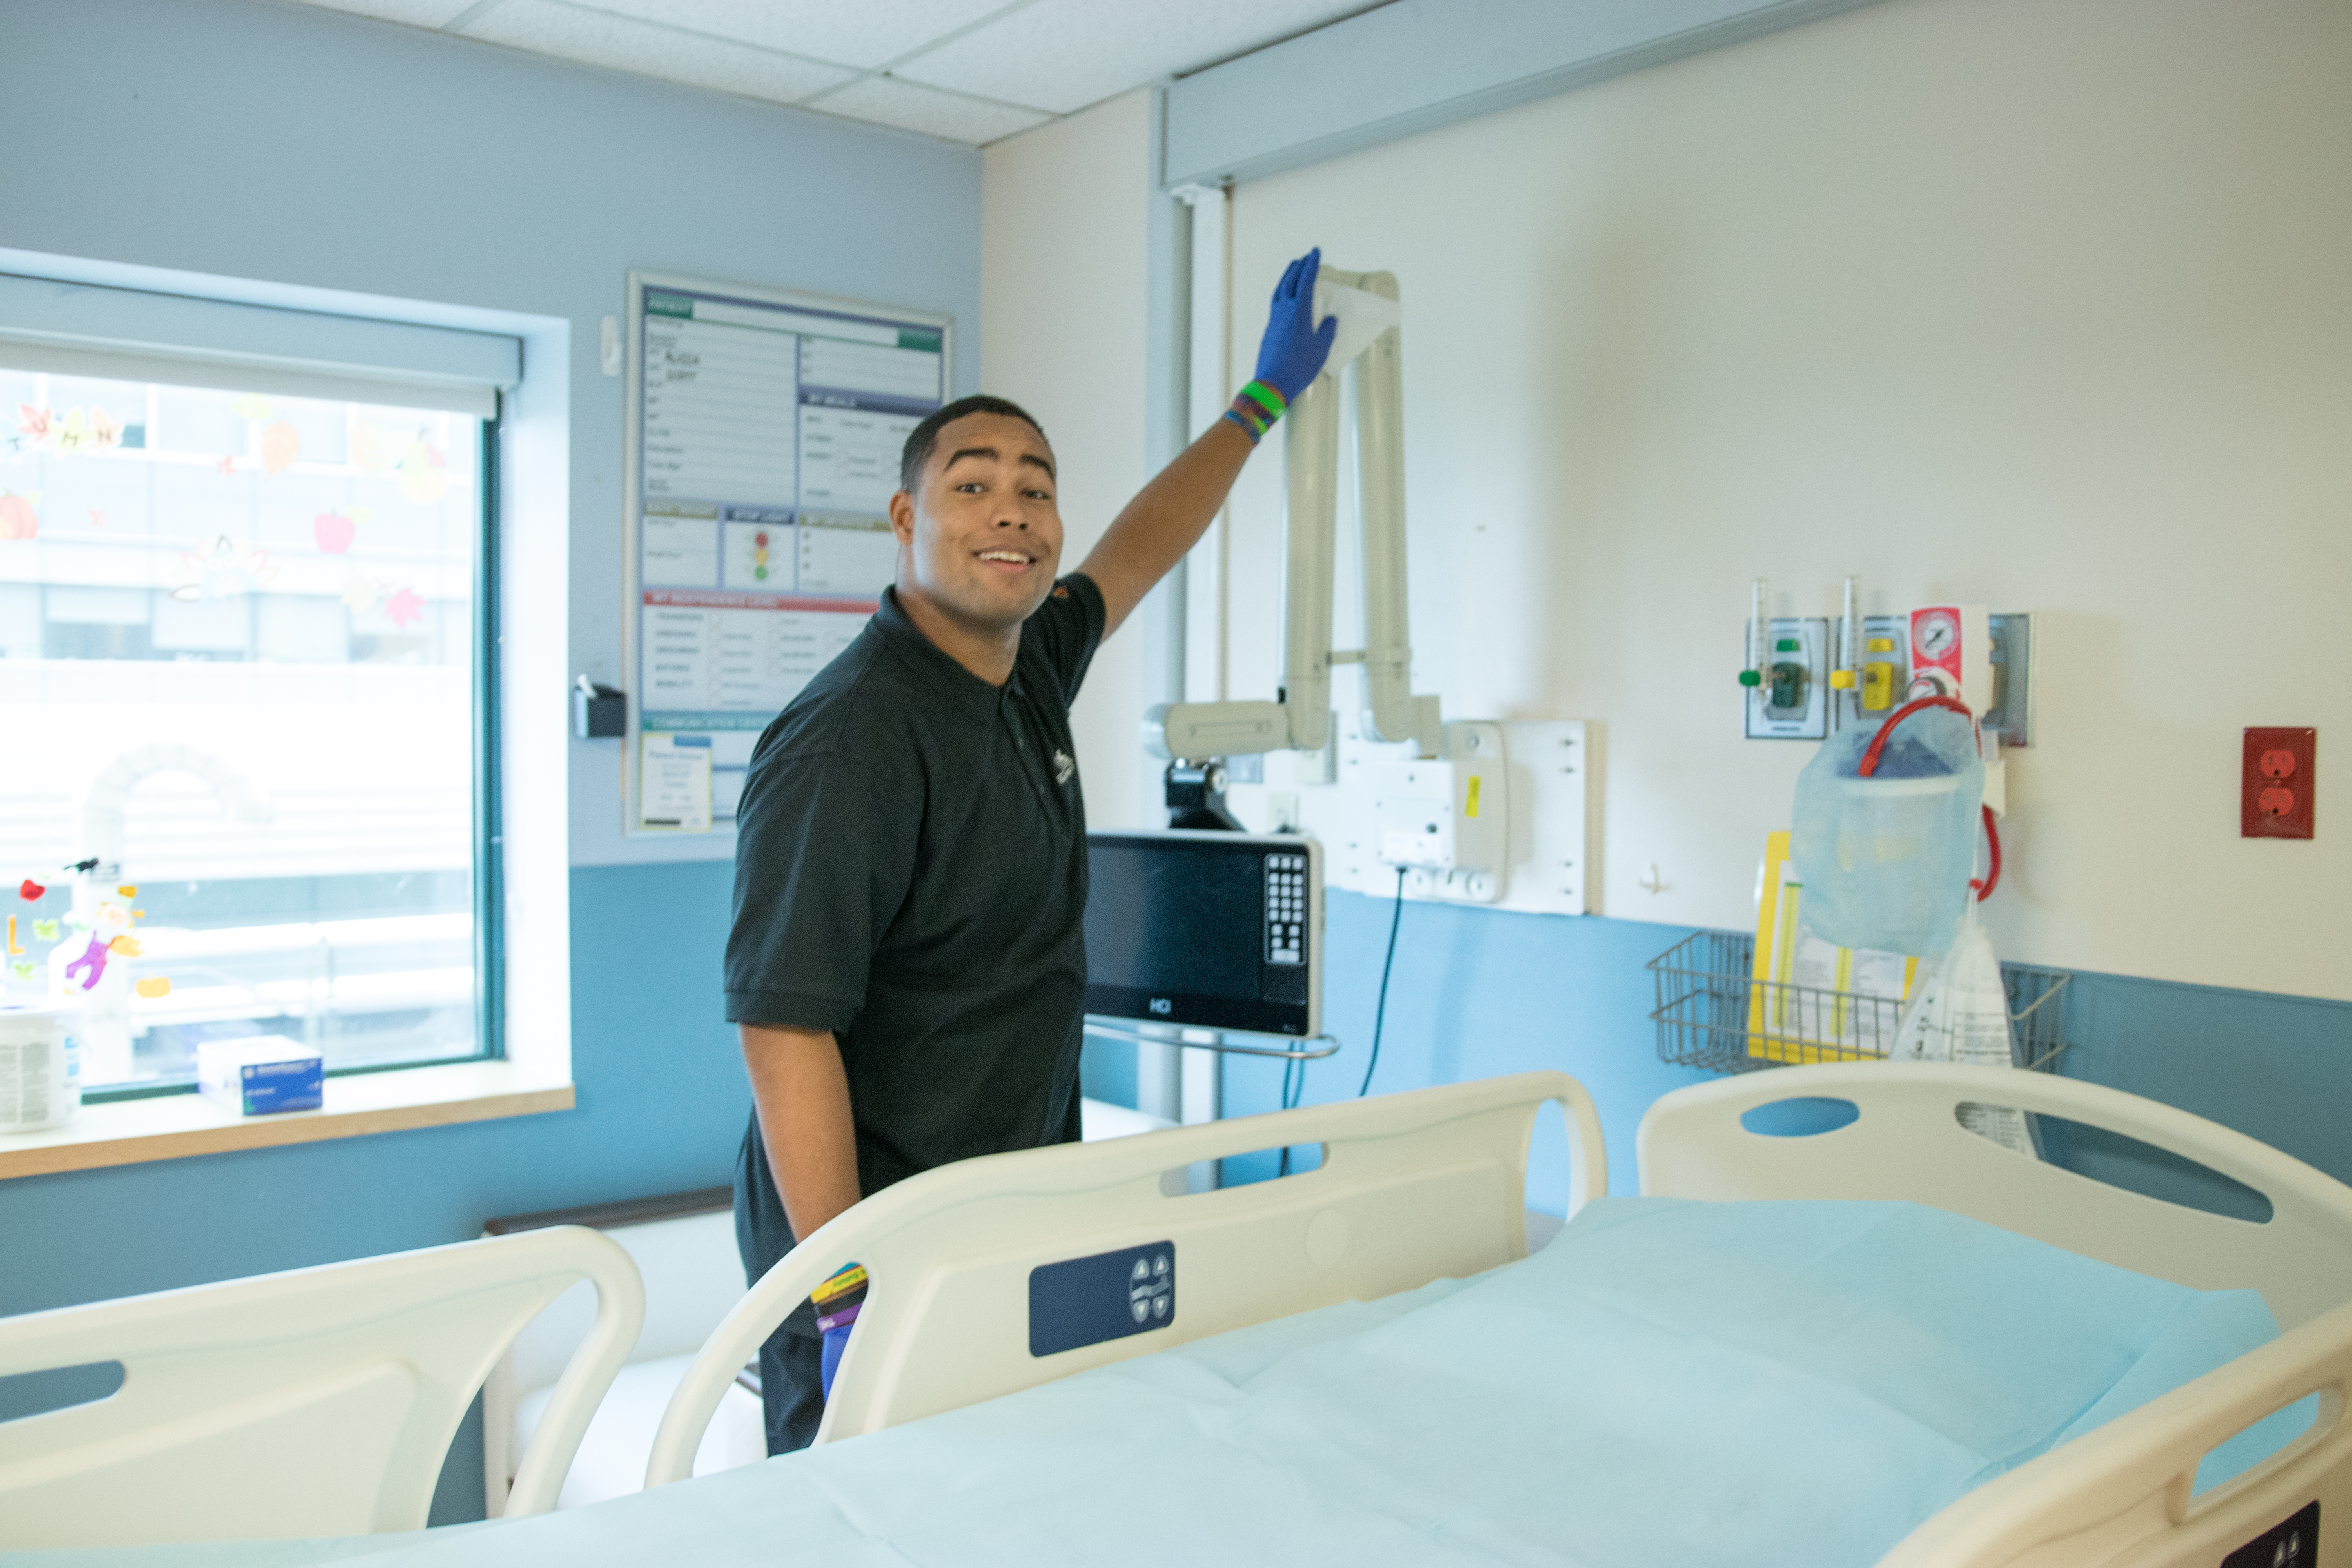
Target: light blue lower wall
pixel 1477 993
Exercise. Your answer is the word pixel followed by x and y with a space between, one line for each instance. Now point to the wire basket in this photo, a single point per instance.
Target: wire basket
pixel 1713 1013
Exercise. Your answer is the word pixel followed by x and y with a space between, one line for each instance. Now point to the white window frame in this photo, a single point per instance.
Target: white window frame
pixel 151 324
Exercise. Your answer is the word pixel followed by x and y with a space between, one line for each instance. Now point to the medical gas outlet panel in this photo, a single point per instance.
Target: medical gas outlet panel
pixel 1806 676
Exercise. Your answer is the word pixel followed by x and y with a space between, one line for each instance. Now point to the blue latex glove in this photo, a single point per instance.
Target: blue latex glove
pixel 1292 354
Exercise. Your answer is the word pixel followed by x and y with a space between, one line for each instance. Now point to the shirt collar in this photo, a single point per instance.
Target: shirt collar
pixel 963 691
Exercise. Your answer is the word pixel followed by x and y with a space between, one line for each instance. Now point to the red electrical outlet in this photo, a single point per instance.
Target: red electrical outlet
pixel 2275 799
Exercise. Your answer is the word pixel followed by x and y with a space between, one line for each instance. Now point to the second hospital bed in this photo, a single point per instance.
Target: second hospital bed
pixel 1416 1192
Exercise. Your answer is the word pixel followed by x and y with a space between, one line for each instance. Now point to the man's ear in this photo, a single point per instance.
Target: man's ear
pixel 902 516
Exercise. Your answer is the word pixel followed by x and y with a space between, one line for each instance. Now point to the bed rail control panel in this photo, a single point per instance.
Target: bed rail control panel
pixel 1085 1300
pixel 2291 1544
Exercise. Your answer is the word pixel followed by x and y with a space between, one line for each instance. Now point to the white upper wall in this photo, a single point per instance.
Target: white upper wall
pixel 1061 328
pixel 2040 303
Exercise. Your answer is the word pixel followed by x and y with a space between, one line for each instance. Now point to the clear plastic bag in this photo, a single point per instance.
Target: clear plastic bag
pixel 1886 859
pixel 1960 1013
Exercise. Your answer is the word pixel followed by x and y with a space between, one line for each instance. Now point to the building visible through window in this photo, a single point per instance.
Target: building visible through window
pixel 238 647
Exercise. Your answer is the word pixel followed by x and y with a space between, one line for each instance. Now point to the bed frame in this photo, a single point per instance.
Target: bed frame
pixel 1417 1186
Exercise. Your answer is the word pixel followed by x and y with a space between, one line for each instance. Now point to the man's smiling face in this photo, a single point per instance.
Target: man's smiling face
pixel 981 539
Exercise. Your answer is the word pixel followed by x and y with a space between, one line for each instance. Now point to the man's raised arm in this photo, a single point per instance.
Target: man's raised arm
pixel 1168 517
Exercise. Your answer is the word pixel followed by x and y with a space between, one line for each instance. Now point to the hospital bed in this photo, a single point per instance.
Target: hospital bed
pixel 1418 1186
pixel 1414 1194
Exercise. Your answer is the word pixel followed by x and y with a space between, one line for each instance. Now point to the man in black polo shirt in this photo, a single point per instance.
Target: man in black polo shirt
pixel 907 963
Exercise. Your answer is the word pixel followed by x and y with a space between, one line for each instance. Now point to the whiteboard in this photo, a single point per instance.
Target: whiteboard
pixel 764 428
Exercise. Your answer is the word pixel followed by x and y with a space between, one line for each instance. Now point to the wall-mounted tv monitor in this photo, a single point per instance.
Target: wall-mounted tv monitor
pixel 1213 931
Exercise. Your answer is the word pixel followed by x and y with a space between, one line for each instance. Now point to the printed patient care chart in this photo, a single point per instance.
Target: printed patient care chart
pixel 764 444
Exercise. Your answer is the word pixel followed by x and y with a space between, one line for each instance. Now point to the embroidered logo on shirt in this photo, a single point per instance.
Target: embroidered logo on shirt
pixel 1064 765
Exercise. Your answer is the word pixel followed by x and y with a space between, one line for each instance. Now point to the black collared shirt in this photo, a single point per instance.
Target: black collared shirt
pixel 911 873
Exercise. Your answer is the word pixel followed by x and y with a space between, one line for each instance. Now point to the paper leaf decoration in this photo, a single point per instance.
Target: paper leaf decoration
pixel 423 474
pixel 227 465
pixel 18 517
pixel 32 422
pixel 405 607
pixel 97 517
pixel 46 929
pixel 362 593
pixel 334 532
pixel 279 445
pixel 371 447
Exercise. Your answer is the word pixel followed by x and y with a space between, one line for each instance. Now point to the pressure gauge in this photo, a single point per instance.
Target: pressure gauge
pixel 1938 635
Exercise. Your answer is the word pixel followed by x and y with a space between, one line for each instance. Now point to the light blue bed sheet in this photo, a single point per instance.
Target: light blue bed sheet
pixel 1796 1384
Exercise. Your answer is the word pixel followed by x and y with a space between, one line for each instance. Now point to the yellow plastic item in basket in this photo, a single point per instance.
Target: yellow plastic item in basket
pixel 1813 1001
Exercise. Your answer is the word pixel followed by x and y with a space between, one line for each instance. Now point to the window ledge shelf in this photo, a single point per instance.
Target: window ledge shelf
pixel 130 1132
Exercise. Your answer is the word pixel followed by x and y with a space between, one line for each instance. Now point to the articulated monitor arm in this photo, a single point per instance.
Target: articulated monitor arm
pixel 1300 718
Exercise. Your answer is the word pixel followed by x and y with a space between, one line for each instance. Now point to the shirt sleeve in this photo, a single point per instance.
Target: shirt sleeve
pixel 1065 630
pixel 823 855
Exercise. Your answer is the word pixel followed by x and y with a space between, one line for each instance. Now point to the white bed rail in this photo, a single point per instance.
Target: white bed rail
pixel 1908 1142
pixel 1411 1188
pixel 2120 1496
pixel 312 1403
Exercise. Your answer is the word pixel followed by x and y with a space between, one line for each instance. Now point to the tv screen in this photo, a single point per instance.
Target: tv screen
pixel 1218 931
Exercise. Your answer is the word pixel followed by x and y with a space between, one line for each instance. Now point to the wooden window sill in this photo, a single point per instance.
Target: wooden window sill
pixel 170 1127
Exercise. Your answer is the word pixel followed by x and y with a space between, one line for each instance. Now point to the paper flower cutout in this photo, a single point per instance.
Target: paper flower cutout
pixel 224 572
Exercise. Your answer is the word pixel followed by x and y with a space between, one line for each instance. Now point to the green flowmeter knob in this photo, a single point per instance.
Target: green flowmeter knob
pixel 1750 677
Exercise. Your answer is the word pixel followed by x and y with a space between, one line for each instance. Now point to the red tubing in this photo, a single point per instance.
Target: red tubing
pixel 1869 767
pixel 1869 764
pixel 1992 877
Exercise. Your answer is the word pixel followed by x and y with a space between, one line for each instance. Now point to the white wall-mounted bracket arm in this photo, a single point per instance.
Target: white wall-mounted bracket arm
pixel 1368 336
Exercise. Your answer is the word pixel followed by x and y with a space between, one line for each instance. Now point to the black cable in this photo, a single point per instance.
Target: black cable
pixel 1291 1096
pixel 1380 1009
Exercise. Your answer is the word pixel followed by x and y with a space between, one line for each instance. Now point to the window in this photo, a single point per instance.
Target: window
pixel 243 665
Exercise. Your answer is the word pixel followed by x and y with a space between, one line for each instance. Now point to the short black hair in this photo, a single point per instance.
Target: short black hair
pixel 925 438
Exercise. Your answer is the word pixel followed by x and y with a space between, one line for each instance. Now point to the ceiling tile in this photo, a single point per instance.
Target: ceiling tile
pixel 1063 54
pixel 869 33
pixel 598 38
pixel 886 101
pixel 412 13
